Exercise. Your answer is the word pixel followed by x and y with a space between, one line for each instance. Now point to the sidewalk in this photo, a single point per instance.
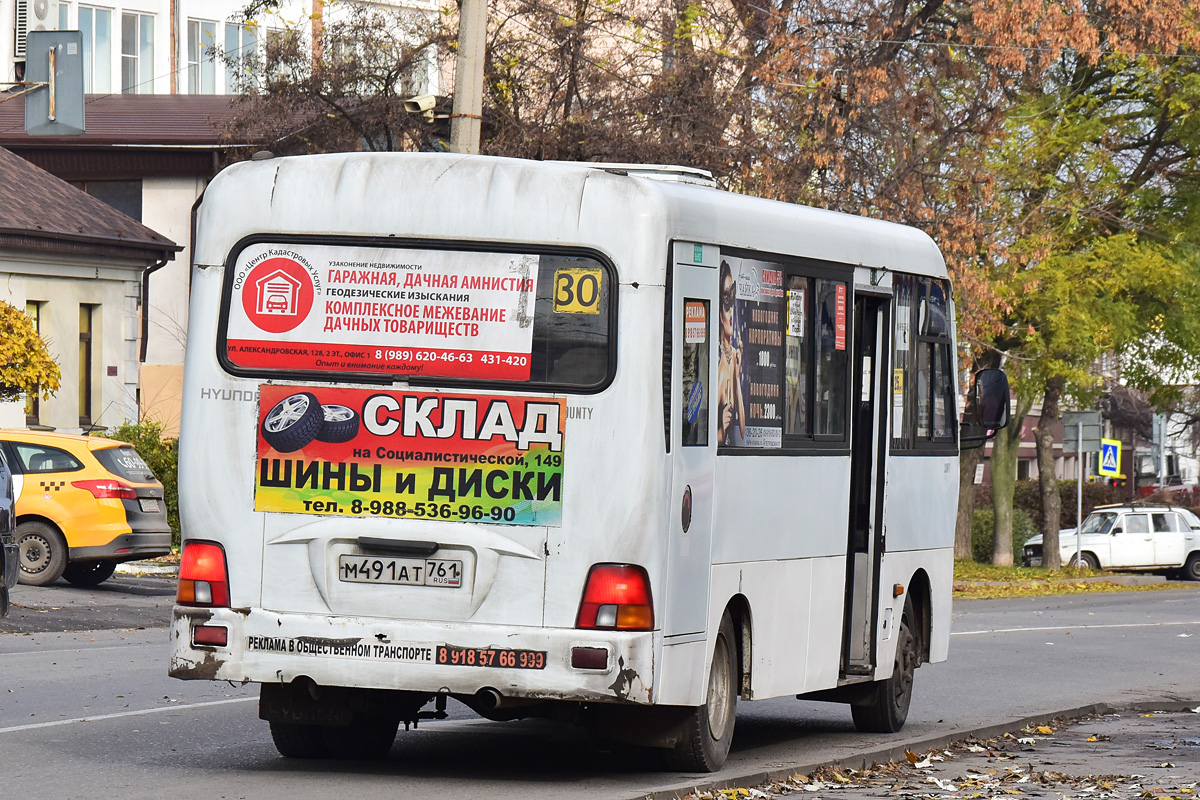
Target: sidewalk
pixel 1135 752
pixel 149 567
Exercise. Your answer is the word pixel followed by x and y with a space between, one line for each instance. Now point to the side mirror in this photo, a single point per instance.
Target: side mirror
pixel 990 408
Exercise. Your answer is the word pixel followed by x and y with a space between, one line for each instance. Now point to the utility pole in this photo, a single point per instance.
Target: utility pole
pixel 468 77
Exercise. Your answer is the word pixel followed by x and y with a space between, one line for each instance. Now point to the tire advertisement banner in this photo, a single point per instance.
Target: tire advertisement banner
pixel 410 455
pixel 410 312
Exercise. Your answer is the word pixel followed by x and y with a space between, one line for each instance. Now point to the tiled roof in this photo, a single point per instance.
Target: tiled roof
pixel 170 120
pixel 39 211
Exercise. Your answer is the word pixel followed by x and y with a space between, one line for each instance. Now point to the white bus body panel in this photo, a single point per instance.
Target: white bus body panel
pixel 787 560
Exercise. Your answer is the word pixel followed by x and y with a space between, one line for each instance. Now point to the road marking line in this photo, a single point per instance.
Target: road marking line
pixel 1074 627
pixel 119 714
pixel 84 649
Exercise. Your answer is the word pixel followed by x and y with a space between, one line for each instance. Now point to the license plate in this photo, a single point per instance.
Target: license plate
pixel 148 506
pixel 400 571
pixel 490 657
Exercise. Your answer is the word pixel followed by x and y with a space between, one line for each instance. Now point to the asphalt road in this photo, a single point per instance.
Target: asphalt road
pixel 91 713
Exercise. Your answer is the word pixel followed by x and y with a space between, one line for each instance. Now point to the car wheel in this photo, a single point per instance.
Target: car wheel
pixel 1191 570
pixel 1089 561
pixel 42 552
pixel 293 423
pixel 707 730
pixel 89 573
pixel 340 424
pixel 298 741
pixel 887 708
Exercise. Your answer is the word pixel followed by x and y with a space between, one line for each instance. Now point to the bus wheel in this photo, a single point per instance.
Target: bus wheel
pixel 707 731
pixel 887 708
pixel 298 741
pixel 368 737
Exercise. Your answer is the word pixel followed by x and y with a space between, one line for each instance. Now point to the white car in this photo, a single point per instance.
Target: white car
pixel 1130 538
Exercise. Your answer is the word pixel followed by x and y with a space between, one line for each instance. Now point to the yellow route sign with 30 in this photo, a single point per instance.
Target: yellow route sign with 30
pixel 577 290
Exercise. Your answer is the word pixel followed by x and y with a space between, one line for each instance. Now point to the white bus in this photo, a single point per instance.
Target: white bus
pixel 559 439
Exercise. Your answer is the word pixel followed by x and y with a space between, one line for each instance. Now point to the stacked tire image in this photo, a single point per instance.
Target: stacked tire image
pixel 299 419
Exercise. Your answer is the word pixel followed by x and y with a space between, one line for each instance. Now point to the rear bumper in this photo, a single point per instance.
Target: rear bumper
pixel 126 547
pixel 269 647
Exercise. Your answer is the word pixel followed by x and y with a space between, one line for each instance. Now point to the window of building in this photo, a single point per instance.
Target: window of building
pixel 64 23
pixel 202 64
pixel 137 53
pixel 241 46
pixel 86 364
pixel 124 196
pixel 783 372
pixel 33 403
pixel 96 26
pixel 923 384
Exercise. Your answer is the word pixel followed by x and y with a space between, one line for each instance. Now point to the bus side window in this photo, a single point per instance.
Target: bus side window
pixel 829 406
pixel 923 389
pixel 694 418
pixel 797 374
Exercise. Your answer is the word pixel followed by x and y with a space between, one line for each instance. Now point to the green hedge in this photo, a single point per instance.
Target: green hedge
pixel 982 530
pixel 162 456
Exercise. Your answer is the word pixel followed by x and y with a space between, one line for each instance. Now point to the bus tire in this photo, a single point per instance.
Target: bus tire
pixel 887 707
pixel 707 731
pixel 89 573
pixel 339 424
pixel 293 422
pixel 298 741
pixel 368 737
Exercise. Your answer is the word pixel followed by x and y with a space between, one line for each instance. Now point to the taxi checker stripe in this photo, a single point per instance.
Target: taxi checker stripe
pixel 55 485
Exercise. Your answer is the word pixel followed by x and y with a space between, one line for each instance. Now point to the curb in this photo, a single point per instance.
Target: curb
pixel 895 752
pixel 147 568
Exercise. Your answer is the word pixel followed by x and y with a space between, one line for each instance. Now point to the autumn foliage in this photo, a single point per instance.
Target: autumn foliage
pixel 25 366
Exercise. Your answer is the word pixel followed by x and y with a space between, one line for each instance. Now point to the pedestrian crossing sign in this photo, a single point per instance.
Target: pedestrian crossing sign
pixel 1110 458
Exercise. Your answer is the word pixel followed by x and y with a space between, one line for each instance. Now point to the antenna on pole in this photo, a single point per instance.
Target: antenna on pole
pixel 54 84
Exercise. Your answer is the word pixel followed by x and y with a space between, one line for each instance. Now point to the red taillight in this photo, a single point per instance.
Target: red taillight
pixel 203 578
pixel 211 635
pixel 107 489
pixel 617 597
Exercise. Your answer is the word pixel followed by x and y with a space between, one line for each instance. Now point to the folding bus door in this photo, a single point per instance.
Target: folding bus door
pixel 693 330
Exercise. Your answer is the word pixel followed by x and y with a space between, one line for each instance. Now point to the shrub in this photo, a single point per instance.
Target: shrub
pixel 982 530
pixel 162 456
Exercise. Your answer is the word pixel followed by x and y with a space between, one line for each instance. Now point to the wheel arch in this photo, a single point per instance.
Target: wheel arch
pixel 738 609
pixel 920 592
pixel 23 518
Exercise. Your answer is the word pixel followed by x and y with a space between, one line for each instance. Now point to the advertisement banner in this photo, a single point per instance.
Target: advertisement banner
pixel 750 370
pixel 338 308
pixel 410 455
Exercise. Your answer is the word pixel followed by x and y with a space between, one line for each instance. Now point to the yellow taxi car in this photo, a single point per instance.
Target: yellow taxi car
pixel 84 504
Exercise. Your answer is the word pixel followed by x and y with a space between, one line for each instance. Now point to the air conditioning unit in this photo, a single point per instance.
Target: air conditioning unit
pixel 34 15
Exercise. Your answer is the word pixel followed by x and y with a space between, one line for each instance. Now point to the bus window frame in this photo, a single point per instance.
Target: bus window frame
pixel 398 243
pixel 793 444
pixel 912 444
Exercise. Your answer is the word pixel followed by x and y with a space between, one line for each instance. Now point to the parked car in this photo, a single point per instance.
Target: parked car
pixel 8 544
pixel 1131 537
pixel 84 504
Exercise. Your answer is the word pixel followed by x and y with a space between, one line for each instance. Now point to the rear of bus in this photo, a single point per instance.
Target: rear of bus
pixel 410 469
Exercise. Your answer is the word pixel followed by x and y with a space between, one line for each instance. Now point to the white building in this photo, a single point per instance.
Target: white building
pixel 156 103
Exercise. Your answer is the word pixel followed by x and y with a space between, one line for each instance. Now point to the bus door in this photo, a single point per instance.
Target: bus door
pixel 694 309
pixel 865 545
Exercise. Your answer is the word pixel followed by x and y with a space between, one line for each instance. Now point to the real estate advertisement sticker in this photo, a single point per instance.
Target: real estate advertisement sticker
pixel 444 313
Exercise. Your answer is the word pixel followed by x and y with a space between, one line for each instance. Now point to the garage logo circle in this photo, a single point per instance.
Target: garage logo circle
pixel 277 295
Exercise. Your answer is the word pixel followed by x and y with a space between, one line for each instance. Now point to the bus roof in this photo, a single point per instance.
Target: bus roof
pixel 481 198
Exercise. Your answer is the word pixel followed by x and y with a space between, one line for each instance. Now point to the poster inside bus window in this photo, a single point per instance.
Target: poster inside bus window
pixel 695 373
pixel 750 367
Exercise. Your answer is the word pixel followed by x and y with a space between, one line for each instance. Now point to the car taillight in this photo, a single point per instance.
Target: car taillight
pixel 107 489
pixel 203 578
pixel 617 597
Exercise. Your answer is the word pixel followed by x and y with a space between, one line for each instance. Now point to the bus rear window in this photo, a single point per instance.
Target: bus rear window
pixel 339 311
